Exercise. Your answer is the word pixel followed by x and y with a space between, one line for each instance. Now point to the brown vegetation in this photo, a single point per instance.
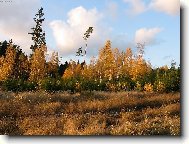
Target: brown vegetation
pixel 95 113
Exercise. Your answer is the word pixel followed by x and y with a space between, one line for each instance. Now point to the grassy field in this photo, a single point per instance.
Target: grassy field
pixel 96 113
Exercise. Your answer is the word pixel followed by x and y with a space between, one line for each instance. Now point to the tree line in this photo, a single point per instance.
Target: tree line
pixel 112 70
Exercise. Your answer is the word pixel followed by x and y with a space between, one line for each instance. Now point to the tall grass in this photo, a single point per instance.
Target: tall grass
pixel 89 113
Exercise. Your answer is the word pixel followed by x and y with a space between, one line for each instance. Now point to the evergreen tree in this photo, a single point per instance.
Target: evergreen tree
pixel 52 65
pixel 3 47
pixel 62 68
pixel 38 35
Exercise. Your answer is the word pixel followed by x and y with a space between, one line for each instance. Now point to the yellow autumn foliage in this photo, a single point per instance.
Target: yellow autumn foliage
pixel 148 87
pixel 38 70
pixel 7 63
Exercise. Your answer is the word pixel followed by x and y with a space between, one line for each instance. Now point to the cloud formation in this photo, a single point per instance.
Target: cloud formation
pixel 69 34
pixel 147 36
pixel 136 6
pixel 16 20
pixel 170 7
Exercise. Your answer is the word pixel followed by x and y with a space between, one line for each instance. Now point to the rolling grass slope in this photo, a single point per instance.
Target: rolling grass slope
pixel 95 113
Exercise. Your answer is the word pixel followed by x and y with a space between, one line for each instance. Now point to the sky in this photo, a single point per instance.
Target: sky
pixel 124 22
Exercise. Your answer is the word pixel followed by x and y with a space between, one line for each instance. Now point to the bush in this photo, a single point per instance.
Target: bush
pixel 159 86
pixel 138 86
pixel 88 84
pixel 148 87
pixel 31 85
pixel 69 84
pixel 18 85
pixel 160 80
pixel 51 84
pixel 167 80
pixel 172 81
pixel 10 85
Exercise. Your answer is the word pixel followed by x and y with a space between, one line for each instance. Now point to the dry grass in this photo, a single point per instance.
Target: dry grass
pixel 96 113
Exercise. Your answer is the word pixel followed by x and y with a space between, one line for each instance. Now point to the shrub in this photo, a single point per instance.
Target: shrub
pixel 138 86
pixel 102 86
pixel 148 87
pixel 172 81
pixel 88 84
pixel 51 84
pixel 159 86
pixel 110 86
pixel 31 85
pixel 168 80
pixel 9 85
pixel 69 84
pixel 18 85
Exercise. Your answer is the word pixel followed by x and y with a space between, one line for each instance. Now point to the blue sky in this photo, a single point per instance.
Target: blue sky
pixel 124 22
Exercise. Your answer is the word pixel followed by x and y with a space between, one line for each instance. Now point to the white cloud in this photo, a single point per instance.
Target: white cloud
pixel 69 34
pixel 147 36
pixel 171 7
pixel 16 20
pixel 137 6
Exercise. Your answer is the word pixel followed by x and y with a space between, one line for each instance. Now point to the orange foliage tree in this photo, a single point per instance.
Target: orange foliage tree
pixel 38 62
pixel 106 63
pixel 7 63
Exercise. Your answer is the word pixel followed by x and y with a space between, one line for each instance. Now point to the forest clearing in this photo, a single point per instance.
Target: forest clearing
pixel 90 113
pixel 116 92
